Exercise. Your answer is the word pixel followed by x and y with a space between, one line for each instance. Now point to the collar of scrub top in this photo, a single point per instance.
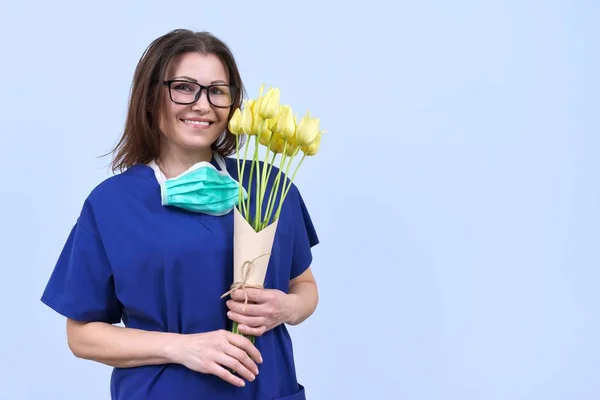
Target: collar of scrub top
pixel 161 178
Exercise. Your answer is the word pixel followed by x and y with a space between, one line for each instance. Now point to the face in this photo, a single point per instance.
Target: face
pixel 194 127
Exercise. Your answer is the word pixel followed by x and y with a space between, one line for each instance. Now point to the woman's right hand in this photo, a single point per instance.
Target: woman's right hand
pixel 218 353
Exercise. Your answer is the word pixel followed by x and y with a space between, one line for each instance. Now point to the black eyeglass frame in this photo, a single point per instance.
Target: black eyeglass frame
pixel 233 89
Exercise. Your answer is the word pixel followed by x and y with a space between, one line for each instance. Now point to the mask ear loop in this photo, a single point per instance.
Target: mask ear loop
pixel 158 172
pixel 223 166
pixel 221 163
pixel 161 178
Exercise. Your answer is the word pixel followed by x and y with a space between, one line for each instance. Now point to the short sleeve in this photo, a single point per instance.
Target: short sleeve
pixel 81 286
pixel 304 235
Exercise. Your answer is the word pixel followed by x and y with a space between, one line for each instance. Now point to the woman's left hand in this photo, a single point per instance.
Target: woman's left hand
pixel 266 309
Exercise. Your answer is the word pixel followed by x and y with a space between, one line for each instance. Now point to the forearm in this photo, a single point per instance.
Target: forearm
pixel 119 347
pixel 304 298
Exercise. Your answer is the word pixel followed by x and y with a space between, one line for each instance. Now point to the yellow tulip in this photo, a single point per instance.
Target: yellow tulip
pixel 246 119
pixel 302 123
pixel 276 145
pixel 265 137
pixel 276 135
pixel 312 148
pixel 235 123
pixel 291 148
pixel 272 123
pixel 251 105
pixel 255 103
pixel 269 105
pixel 286 123
pixel 257 125
pixel 307 130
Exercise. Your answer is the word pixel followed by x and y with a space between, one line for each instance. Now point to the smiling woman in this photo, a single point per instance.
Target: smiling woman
pixel 135 256
pixel 173 77
pixel 193 121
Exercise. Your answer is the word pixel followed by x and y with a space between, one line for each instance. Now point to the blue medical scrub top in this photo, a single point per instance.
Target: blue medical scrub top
pixel 160 268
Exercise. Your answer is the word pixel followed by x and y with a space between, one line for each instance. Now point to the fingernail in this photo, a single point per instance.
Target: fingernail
pixel 242 383
pixel 242 328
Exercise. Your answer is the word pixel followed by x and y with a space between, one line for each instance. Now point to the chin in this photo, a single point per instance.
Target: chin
pixel 194 139
pixel 197 143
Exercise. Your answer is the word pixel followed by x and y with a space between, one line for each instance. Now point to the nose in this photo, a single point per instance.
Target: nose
pixel 202 103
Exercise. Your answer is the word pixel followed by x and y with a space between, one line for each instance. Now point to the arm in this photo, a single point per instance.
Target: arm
pixel 82 288
pixel 268 308
pixel 216 352
pixel 303 298
pixel 119 347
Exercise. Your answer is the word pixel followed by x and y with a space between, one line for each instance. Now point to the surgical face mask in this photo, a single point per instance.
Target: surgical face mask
pixel 202 188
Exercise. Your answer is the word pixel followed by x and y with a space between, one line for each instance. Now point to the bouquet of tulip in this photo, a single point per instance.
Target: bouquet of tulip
pixel 274 128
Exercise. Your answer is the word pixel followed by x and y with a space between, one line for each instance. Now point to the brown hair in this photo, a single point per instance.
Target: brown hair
pixel 140 141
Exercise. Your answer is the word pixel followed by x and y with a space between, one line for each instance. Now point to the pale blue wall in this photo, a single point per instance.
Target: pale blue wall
pixel 456 193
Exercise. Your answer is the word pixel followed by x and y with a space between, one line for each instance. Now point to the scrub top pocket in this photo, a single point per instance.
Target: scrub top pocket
pixel 299 395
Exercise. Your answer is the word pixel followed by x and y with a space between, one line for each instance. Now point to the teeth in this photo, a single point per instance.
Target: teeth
pixel 203 123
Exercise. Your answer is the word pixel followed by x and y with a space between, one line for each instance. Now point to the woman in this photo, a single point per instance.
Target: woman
pixel 162 269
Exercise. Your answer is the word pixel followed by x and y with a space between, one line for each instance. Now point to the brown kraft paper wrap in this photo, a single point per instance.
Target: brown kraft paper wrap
pixel 251 254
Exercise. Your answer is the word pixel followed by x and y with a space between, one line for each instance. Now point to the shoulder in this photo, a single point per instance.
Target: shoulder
pixel 125 182
pixel 115 191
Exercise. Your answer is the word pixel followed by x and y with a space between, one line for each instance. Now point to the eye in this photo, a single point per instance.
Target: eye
pixel 184 87
pixel 220 90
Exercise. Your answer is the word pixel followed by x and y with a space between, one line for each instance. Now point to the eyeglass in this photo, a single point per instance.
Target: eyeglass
pixel 186 92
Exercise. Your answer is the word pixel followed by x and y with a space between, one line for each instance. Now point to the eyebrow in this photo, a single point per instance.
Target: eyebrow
pixel 196 81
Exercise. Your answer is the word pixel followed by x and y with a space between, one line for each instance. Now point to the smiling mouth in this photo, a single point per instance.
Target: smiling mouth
pixel 197 123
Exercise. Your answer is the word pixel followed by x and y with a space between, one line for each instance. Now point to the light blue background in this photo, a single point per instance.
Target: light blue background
pixel 456 193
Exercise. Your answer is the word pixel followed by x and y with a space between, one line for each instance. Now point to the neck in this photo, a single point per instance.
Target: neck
pixel 173 162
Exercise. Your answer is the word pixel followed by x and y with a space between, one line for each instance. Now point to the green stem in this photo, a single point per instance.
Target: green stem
pixel 264 181
pixel 286 175
pixel 293 176
pixel 237 152
pixel 250 188
pixel 258 187
pixel 266 220
pixel 271 166
pixel 276 184
pixel 242 178
pixel 284 194
pixel 235 329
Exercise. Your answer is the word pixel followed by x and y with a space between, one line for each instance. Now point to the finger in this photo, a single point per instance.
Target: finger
pixel 253 322
pixel 234 364
pixel 254 295
pixel 243 357
pixel 253 310
pixel 246 345
pixel 252 331
pixel 226 375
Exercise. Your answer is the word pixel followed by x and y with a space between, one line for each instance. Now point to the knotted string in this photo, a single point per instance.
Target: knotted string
pixel 246 270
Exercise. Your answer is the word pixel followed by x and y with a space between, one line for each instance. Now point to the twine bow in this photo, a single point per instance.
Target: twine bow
pixel 246 270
